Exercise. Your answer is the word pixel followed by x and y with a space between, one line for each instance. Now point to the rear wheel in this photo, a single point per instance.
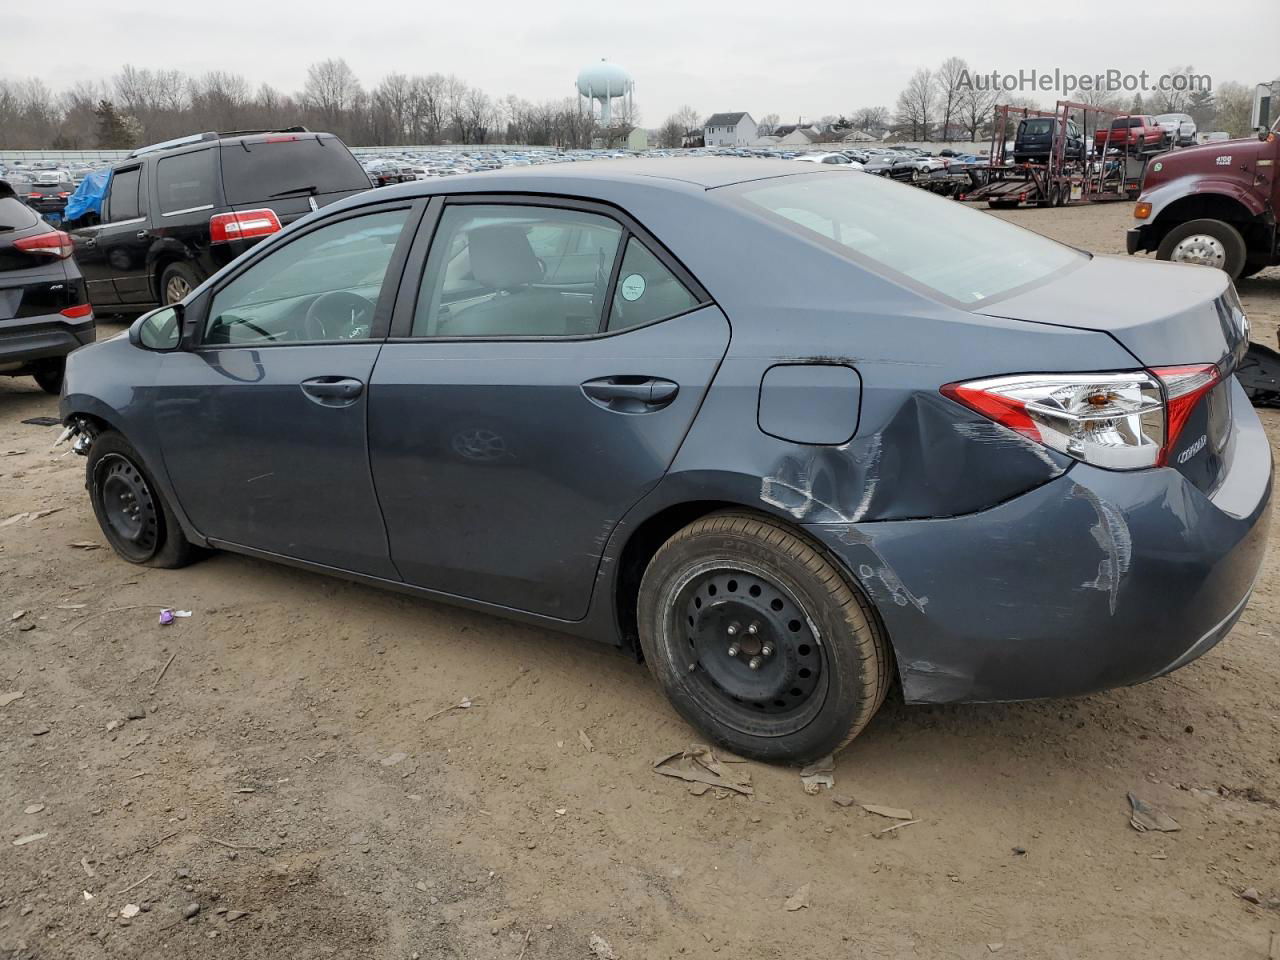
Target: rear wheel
pixel 759 641
pixel 131 511
pixel 1213 243
pixel 49 375
pixel 176 281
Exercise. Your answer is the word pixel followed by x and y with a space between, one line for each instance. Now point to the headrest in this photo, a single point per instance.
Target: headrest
pixel 501 256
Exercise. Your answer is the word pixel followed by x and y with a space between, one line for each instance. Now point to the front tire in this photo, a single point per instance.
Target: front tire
pixel 759 641
pixel 131 510
pixel 1212 243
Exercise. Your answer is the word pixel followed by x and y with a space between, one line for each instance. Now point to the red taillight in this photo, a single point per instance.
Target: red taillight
pixel 1183 387
pixel 1121 421
pixel 77 312
pixel 243 225
pixel 64 194
pixel 55 243
pixel 35 196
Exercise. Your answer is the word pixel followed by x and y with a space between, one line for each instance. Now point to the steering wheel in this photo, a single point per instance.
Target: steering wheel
pixel 339 315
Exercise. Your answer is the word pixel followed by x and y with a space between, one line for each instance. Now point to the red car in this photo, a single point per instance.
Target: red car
pixel 1141 134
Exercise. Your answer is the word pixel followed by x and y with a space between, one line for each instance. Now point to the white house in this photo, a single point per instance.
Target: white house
pixel 729 130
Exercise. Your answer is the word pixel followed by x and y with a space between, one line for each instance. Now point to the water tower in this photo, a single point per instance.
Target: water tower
pixel 603 83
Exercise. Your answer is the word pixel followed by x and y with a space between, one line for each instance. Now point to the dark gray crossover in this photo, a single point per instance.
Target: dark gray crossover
pixel 787 434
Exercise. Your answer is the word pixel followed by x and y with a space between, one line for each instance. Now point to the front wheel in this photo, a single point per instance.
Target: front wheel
pixel 759 641
pixel 132 512
pixel 1212 243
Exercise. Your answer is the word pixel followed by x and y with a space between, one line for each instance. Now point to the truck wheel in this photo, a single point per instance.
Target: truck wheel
pixel 176 281
pixel 759 641
pixel 131 511
pixel 1213 243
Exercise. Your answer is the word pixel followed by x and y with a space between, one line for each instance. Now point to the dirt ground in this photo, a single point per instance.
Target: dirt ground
pixel 297 774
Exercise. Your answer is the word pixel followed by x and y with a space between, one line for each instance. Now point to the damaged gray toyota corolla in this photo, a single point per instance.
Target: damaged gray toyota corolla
pixel 785 433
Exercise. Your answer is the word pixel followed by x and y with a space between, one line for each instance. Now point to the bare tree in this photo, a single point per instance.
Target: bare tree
pixel 870 118
pixel 916 104
pixel 768 123
pixel 951 83
pixel 1235 108
pixel 330 89
pixel 974 109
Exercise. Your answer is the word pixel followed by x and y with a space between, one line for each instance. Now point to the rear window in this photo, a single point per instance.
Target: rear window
pixel 911 235
pixel 1038 126
pixel 15 215
pixel 253 172
pixel 185 181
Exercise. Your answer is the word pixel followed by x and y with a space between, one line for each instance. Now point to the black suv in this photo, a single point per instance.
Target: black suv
pixel 176 212
pixel 44 313
pixel 1034 140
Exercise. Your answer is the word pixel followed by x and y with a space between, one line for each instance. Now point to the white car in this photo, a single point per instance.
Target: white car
pixel 832 159
pixel 1179 128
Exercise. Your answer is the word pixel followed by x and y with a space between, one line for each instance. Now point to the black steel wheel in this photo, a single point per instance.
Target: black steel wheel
pixel 757 650
pixel 129 507
pixel 133 524
pixel 759 641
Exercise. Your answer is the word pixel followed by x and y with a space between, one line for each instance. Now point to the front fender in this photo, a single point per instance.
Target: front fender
pixel 1163 196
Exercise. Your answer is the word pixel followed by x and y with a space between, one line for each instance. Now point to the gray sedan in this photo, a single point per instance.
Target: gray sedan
pixel 790 435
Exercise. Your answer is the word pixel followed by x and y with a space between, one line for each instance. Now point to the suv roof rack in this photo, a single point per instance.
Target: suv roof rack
pixel 249 133
pixel 176 142
pixel 209 135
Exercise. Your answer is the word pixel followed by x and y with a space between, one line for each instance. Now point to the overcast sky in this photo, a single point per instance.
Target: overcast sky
pixel 806 57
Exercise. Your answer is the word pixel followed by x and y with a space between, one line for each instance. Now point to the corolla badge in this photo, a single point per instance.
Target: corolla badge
pixel 1192 450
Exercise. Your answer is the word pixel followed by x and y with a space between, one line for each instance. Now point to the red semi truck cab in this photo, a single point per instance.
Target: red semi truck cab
pixel 1214 204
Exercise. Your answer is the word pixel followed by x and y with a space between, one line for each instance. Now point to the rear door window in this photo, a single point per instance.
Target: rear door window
pixel 124 201
pixel 185 182
pixel 516 271
pixel 646 290
pixel 288 165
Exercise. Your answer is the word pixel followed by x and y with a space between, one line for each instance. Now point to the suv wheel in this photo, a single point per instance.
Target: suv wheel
pixel 49 375
pixel 759 641
pixel 131 511
pixel 176 281
pixel 1213 243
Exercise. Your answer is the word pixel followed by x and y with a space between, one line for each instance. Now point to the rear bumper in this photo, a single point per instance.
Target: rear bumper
pixel 28 340
pixel 1094 580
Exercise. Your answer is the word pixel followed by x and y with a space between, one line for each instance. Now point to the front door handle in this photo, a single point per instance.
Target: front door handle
pixel 142 234
pixel 631 394
pixel 333 391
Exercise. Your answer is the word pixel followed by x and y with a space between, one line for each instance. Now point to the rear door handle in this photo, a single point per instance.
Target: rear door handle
pixel 631 394
pixel 142 234
pixel 333 391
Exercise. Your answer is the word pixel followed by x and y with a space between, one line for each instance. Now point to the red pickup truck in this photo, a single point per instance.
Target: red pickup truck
pixel 1136 134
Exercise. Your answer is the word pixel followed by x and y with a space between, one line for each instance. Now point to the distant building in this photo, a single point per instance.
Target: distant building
pixel 792 135
pixel 638 139
pixel 693 138
pixel 858 136
pixel 729 130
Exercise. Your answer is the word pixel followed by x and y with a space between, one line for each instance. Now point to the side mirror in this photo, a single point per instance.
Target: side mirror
pixel 1262 133
pixel 160 330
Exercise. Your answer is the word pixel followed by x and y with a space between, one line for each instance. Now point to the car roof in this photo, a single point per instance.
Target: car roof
pixel 706 173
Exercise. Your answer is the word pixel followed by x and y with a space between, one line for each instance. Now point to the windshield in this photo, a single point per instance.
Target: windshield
pixel 908 234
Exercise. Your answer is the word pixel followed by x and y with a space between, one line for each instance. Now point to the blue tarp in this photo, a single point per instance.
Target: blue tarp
pixel 88 196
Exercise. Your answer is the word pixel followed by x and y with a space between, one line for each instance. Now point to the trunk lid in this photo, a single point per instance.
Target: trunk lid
pixel 1165 315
